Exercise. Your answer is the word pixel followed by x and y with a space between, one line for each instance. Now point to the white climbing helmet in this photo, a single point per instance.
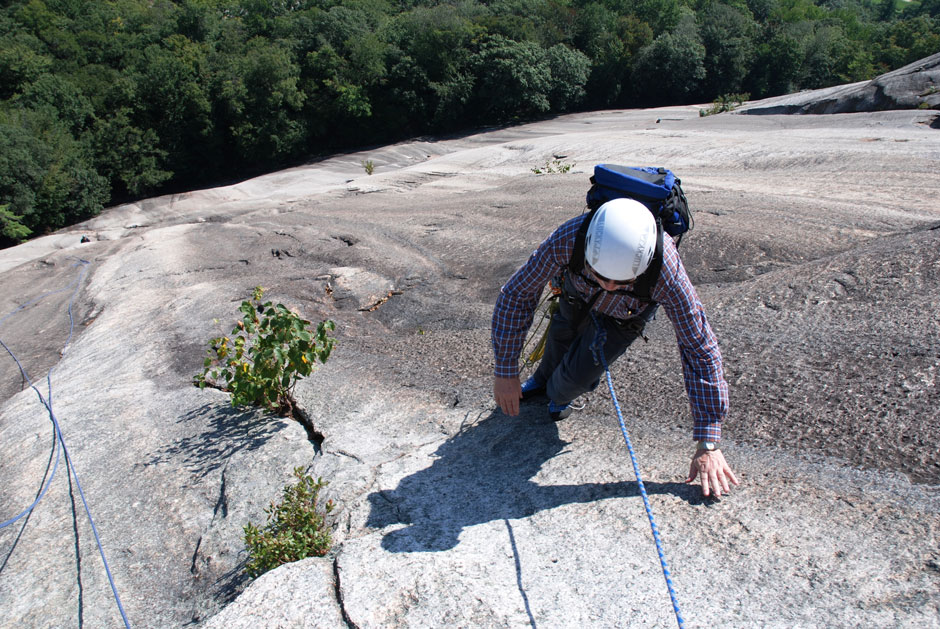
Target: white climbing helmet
pixel 620 240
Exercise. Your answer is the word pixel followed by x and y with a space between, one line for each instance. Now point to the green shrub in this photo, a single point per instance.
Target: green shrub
pixel 552 167
pixel 369 166
pixel 725 102
pixel 268 352
pixel 295 529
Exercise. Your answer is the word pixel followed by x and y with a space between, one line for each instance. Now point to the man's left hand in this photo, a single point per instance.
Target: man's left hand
pixel 714 470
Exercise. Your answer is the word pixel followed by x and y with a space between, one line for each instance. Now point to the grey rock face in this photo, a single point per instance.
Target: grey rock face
pixel 815 253
pixel 304 593
pixel 915 86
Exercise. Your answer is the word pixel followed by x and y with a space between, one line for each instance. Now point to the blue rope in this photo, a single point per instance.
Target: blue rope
pixel 48 406
pixel 55 444
pixel 59 442
pixel 597 348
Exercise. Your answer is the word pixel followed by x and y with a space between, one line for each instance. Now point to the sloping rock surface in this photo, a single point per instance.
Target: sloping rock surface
pixel 915 86
pixel 815 252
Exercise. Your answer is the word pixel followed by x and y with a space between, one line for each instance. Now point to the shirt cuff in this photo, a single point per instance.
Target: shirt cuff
pixel 510 370
pixel 707 431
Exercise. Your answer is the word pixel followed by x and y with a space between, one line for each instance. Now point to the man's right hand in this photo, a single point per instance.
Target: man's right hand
pixel 508 392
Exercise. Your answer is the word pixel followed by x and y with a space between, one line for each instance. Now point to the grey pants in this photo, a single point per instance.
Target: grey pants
pixel 569 367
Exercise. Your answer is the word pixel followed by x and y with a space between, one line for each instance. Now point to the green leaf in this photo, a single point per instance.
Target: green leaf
pixel 265 357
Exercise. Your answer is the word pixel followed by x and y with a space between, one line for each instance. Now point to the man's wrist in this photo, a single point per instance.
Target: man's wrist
pixel 505 372
pixel 706 446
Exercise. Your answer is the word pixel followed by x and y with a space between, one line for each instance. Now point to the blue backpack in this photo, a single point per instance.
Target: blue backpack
pixel 656 188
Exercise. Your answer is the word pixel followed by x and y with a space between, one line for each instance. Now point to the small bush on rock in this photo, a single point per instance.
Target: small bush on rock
pixel 555 166
pixel 295 528
pixel 725 102
pixel 268 352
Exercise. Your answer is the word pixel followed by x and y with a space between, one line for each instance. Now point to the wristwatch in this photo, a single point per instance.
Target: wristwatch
pixel 708 446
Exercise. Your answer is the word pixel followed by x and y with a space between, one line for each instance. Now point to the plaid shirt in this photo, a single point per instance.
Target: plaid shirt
pixel 698 347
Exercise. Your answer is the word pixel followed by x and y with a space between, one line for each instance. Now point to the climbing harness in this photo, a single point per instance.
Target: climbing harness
pixel 597 347
pixel 58 440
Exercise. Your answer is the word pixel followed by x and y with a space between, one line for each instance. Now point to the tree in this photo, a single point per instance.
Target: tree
pixel 334 100
pixel 570 70
pixel 137 95
pixel 437 41
pixel 776 67
pixel 671 69
pixel 663 16
pixel 261 100
pixel 761 9
pixel 21 62
pixel 61 99
pixel 174 104
pixel 908 40
pixel 825 58
pixel 611 42
pixel 12 230
pixel 594 23
pixel 929 8
pixel 46 176
pixel 513 80
pixel 404 95
pixel 728 36
pixel 130 157
pixel 437 38
pixel 452 99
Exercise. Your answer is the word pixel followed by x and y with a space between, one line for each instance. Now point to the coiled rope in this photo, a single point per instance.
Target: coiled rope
pixel 597 348
pixel 534 347
pixel 59 441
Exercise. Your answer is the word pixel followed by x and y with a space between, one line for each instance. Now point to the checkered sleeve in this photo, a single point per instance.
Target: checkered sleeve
pixel 519 297
pixel 698 346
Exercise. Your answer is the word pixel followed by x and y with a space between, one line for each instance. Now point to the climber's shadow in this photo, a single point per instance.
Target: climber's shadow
pixel 484 473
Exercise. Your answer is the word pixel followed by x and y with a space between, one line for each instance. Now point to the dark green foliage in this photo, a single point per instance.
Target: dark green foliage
pixel 612 54
pixel 672 68
pixel 513 80
pixel 779 64
pixel 21 62
pixel 46 179
pixel 929 8
pixel 728 34
pixel 127 98
pixel 569 71
pixel 261 102
pixel 129 157
pixel 174 94
pixel 905 41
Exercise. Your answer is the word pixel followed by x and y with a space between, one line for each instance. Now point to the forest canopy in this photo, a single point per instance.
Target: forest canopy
pixel 119 99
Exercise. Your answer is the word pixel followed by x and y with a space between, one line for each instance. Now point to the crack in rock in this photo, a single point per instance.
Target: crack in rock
pixel 365 289
pixel 339 595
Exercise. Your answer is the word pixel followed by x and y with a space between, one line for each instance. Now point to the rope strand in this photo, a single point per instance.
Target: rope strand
pixel 597 347
pixel 59 440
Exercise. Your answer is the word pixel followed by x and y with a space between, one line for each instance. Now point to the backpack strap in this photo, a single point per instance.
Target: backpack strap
pixel 643 286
